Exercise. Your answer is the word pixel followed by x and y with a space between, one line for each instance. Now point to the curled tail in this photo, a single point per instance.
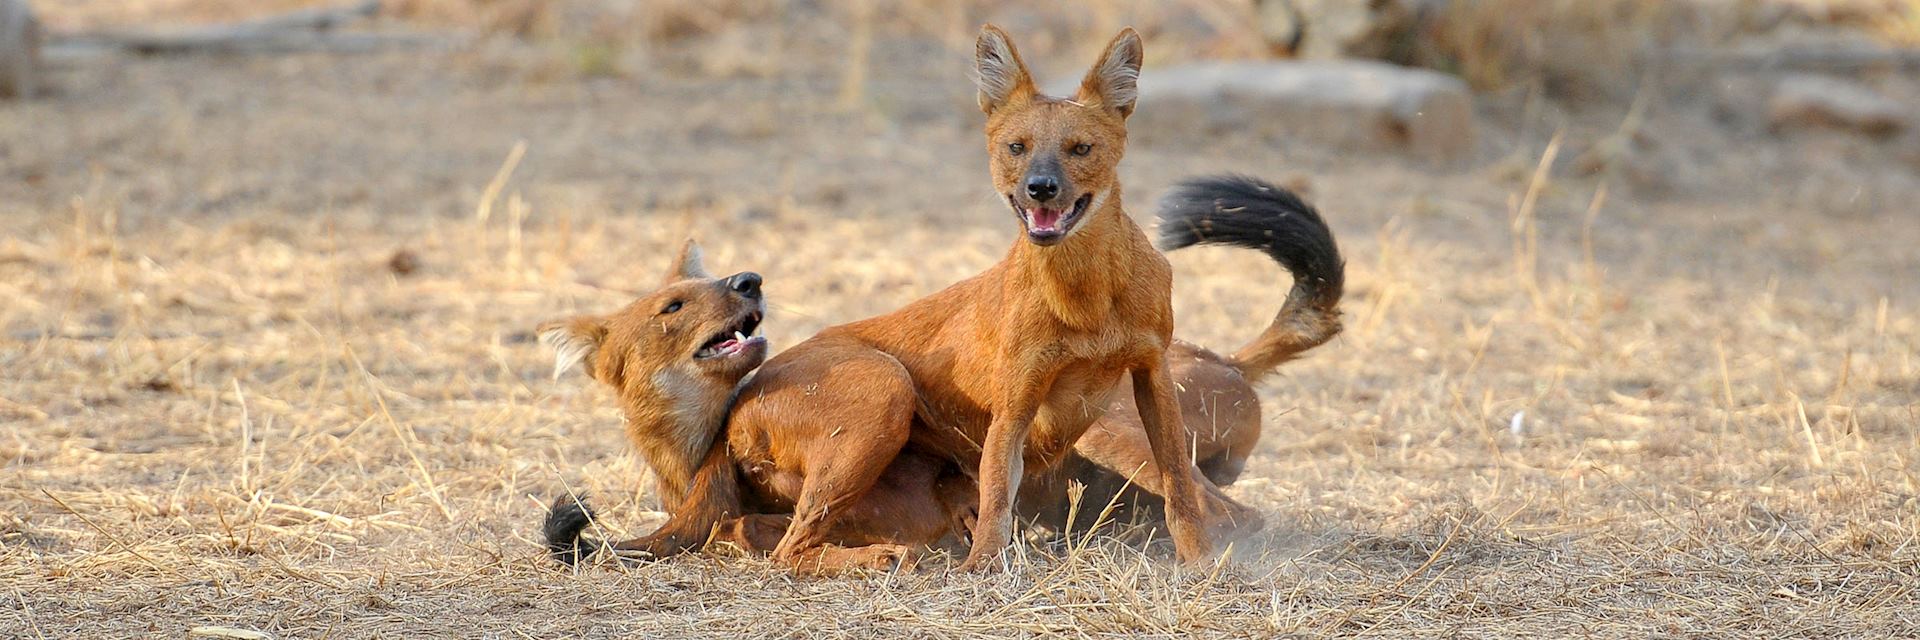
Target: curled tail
pixel 1245 212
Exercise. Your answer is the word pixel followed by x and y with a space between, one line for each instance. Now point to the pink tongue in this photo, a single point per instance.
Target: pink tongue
pixel 1044 219
pixel 726 345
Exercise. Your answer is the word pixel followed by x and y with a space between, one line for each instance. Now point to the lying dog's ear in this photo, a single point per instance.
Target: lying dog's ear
pixel 687 265
pixel 999 72
pixel 574 341
pixel 1112 82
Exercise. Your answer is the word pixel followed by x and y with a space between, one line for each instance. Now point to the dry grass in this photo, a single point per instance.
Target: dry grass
pixel 1693 416
pixel 255 423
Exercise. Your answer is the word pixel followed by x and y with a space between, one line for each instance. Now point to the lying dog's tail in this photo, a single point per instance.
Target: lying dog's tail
pixel 566 519
pixel 1245 212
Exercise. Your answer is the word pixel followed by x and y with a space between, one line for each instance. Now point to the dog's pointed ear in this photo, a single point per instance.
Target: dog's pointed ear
pixel 999 72
pixel 1112 83
pixel 687 265
pixel 573 341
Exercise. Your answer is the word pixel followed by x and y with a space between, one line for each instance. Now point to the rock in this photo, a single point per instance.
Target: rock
pixel 1637 157
pixel 1343 28
pixel 19 50
pixel 1805 101
pixel 403 262
pixel 1364 104
pixel 1908 151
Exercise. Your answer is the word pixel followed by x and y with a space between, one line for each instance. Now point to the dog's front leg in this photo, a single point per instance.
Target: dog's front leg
pixel 1002 464
pixel 712 499
pixel 1153 392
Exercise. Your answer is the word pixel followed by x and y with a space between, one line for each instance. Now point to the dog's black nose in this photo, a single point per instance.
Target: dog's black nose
pixel 1042 188
pixel 746 283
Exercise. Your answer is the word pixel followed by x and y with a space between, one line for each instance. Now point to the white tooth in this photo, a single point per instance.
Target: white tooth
pixel 739 336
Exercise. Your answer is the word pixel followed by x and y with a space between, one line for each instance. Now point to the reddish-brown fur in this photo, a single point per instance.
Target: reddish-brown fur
pixel 876 432
pixel 636 350
pixel 999 372
pixel 674 402
pixel 676 406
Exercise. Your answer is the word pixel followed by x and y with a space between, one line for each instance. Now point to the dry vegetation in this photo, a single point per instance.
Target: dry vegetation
pixel 266 364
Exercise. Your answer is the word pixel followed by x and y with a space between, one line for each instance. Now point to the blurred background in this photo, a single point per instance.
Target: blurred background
pixel 1631 308
pixel 1809 99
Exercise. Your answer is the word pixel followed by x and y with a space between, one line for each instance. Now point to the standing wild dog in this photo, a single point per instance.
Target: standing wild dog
pixel 852 430
pixel 1007 369
pixel 1217 400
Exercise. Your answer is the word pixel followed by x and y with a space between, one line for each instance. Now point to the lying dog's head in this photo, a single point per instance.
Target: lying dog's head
pixel 694 327
pixel 1055 160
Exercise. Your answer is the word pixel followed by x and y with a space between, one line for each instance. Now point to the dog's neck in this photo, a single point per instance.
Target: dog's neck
pixel 1079 277
pixel 673 419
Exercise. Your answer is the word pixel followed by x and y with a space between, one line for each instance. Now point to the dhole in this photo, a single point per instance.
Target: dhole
pixel 675 357
pixel 875 432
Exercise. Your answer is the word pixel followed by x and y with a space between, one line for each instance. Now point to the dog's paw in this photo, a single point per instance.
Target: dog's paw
pixel 882 557
pixel 834 560
pixel 1236 525
pixel 977 562
pixel 1227 520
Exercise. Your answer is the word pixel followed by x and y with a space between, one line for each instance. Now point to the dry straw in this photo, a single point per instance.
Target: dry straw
pixel 223 410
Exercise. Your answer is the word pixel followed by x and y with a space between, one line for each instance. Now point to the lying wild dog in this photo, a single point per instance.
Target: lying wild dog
pixel 860 430
pixel 676 357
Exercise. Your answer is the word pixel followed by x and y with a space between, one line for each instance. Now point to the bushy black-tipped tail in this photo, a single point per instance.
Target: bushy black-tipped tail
pixel 1245 212
pixel 566 519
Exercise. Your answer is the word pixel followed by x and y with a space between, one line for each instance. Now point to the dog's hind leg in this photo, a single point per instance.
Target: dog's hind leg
pixel 1119 445
pixel 859 409
pixel 917 502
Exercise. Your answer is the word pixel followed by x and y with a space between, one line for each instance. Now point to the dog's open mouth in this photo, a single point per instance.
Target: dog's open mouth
pixel 1047 226
pixel 734 340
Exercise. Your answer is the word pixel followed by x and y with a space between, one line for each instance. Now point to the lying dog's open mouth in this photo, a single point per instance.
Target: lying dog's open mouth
pixel 1047 226
pixel 734 340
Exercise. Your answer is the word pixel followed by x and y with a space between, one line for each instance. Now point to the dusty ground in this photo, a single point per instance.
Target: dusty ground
pixel 1690 411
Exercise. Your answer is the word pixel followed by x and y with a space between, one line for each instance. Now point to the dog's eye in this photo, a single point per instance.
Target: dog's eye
pixel 1016 148
pixel 671 307
pixel 1082 149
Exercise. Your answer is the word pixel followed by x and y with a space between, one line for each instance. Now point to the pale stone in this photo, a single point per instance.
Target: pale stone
pixel 1355 103
pixel 1805 101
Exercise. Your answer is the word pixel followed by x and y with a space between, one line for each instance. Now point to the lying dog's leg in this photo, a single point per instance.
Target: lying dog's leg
pixel 712 501
pixel 752 534
pixel 959 498
pixel 1153 392
pixel 834 559
pixel 714 498
pixel 756 534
